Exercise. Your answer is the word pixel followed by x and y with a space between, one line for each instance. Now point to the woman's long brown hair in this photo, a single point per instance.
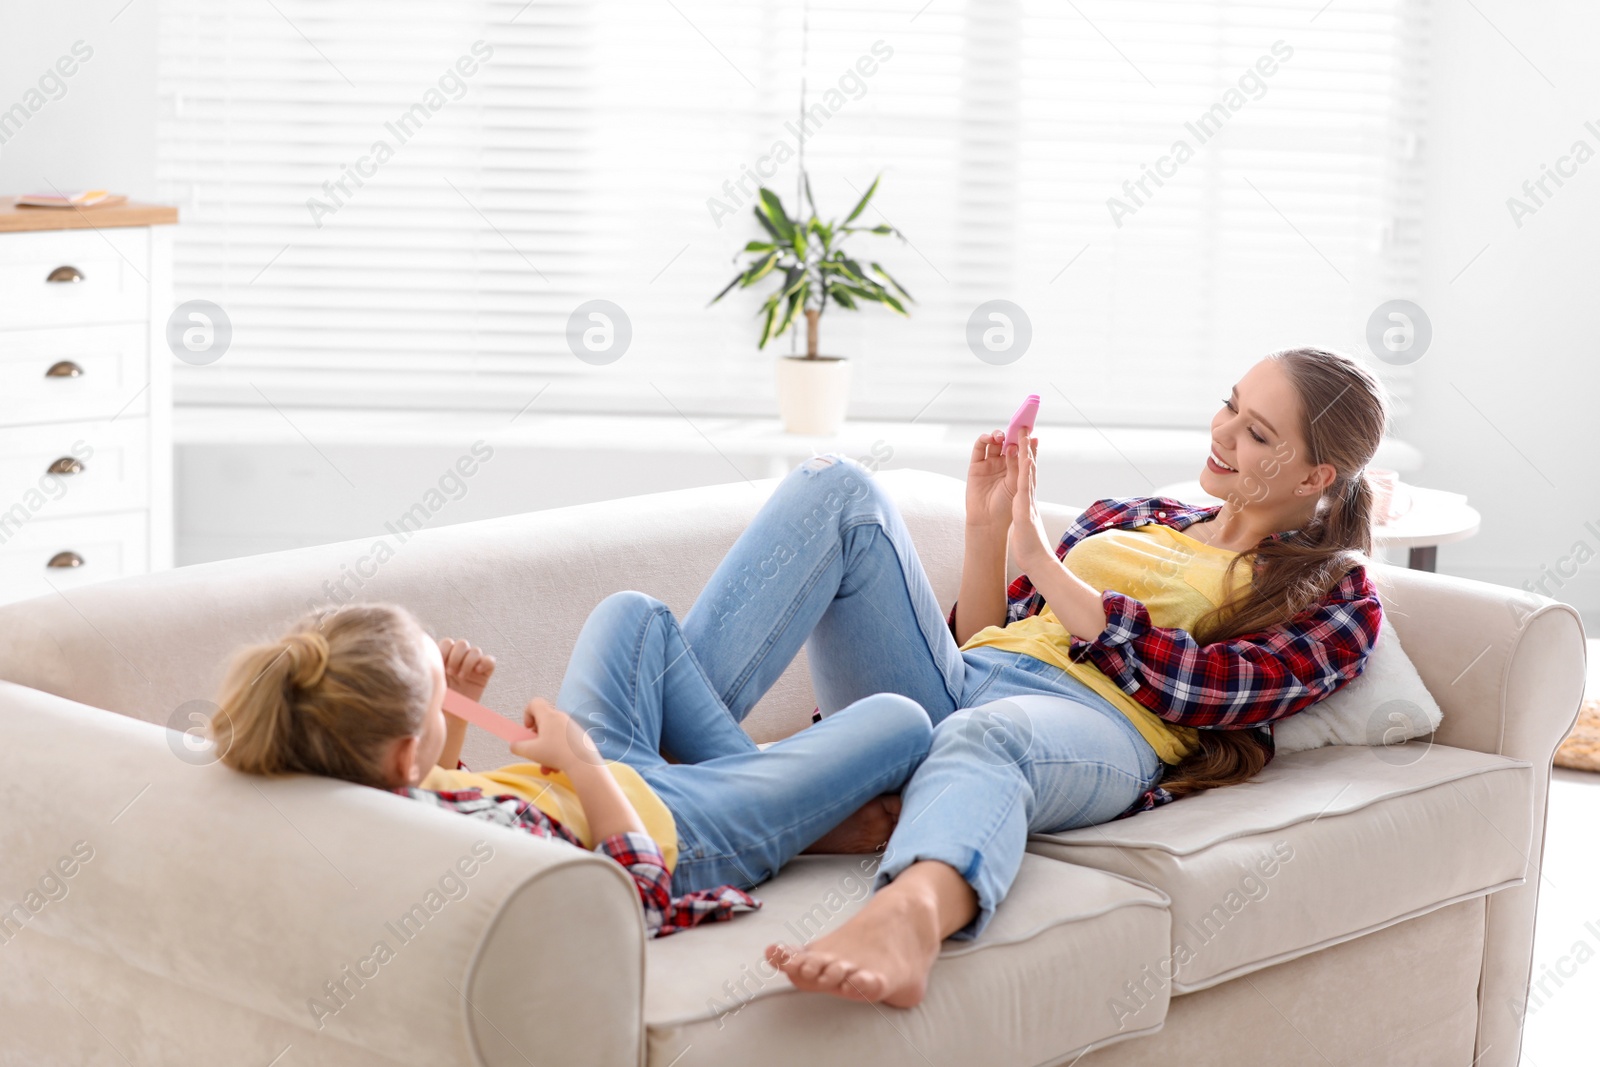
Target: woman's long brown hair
pixel 1344 411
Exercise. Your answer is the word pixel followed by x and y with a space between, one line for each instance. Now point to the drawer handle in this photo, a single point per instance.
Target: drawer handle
pixel 66 465
pixel 65 275
pixel 64 369
pixel 65 559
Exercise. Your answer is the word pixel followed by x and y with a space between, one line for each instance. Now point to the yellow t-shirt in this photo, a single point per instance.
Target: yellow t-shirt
pixel 1177 578
pixel 553 794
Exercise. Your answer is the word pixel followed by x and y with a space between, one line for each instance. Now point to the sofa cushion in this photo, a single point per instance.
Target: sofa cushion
pixel 1322 846
pixel 1387 704
pixel 1049 976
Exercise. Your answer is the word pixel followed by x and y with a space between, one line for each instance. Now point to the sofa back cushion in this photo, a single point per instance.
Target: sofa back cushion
pixel 155 647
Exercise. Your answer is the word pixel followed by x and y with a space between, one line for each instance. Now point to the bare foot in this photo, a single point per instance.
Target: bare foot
pixel 882 955
pixel 867 830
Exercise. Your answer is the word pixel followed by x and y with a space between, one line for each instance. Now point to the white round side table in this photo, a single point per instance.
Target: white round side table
pixel 1435 518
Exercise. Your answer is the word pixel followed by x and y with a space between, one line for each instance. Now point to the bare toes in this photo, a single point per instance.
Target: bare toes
pixel 834 976
pixel 793 960
pixel 811 965
pixel 865 985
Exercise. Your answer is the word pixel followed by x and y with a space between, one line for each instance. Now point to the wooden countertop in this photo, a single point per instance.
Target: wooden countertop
pixel 14 219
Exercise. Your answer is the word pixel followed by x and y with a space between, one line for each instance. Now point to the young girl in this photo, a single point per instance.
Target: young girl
pixel 357 693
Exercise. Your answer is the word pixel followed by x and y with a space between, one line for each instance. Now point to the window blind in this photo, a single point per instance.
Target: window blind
pixel 402 204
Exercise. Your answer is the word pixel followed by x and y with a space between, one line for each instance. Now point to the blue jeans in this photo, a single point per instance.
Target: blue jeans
pixel 1034 751
pixel 1018 746
pixel 639 683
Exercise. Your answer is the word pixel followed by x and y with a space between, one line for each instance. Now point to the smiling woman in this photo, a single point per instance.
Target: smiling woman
pixel 1305 525
pixel 1070 701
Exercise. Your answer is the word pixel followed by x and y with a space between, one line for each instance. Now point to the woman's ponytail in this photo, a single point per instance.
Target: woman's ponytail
pixel 327 697
pixel 1350 524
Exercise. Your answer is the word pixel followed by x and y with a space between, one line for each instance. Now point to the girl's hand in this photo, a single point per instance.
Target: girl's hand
pixel 560 744
pixel 1029 542
pixel 991 483
pixel 467 670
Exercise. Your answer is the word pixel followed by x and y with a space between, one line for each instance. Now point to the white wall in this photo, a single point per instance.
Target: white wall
pixel 1517 334
pixel 100 132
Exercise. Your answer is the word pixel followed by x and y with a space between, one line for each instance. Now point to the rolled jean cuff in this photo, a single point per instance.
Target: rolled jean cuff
pixel 965 862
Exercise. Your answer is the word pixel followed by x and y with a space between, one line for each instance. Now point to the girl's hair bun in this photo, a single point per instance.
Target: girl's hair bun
pixel 328 697
pixel 307 653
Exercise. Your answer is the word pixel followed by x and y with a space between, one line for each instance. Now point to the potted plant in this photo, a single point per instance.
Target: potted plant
pixel 808 256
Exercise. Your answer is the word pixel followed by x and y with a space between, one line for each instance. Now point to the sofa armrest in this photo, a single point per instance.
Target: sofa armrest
pixel 1507 667
pixel 214 917
pixel 1508 670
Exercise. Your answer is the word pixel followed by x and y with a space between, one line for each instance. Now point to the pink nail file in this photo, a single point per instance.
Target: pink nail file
pixel 478 715
pixel 1025 416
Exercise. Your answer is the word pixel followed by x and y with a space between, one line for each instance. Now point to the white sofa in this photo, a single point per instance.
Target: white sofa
pixel 1351 906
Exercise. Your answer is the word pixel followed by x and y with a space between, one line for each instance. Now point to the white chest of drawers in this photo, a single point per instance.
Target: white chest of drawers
pixel 85 397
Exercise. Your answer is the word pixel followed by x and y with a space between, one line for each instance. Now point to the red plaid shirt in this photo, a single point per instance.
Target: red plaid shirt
pixel 1250 680
pixel 637 853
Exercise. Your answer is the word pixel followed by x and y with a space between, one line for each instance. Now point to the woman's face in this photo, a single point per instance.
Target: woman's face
pixel 1257 434
pixel 431 741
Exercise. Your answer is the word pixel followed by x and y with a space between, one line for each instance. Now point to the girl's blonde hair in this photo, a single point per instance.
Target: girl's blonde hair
pixel 327 697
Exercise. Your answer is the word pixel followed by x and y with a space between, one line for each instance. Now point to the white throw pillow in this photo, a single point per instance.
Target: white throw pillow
pixel 1387 704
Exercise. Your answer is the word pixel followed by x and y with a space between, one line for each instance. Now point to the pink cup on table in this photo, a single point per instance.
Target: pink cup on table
pixel 1389 501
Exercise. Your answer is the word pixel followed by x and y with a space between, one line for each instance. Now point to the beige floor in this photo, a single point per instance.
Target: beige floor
pixel 1561 1025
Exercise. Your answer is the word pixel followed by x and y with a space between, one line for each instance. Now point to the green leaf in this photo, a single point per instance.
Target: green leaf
pixel 781 225
pixel 759 246
pixel 806 180
pixel 727 288
pixel 888 298
pixel 794 279
pixel 880 228
pixel 861 205
pixel 796 301
pixel 859 292
pixel 759 270
pixel 890 279
pixel 841 296
pixel 771 307
pixel 877 294
pixel 766 223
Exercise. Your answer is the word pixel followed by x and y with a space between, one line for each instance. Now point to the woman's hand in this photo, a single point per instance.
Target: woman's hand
pixel 467 670
pixel 991 483
pixel 1029 542
pixel 1077 604
pixel 560 745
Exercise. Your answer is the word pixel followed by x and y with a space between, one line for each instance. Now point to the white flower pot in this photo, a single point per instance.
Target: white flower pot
pixel 813 393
